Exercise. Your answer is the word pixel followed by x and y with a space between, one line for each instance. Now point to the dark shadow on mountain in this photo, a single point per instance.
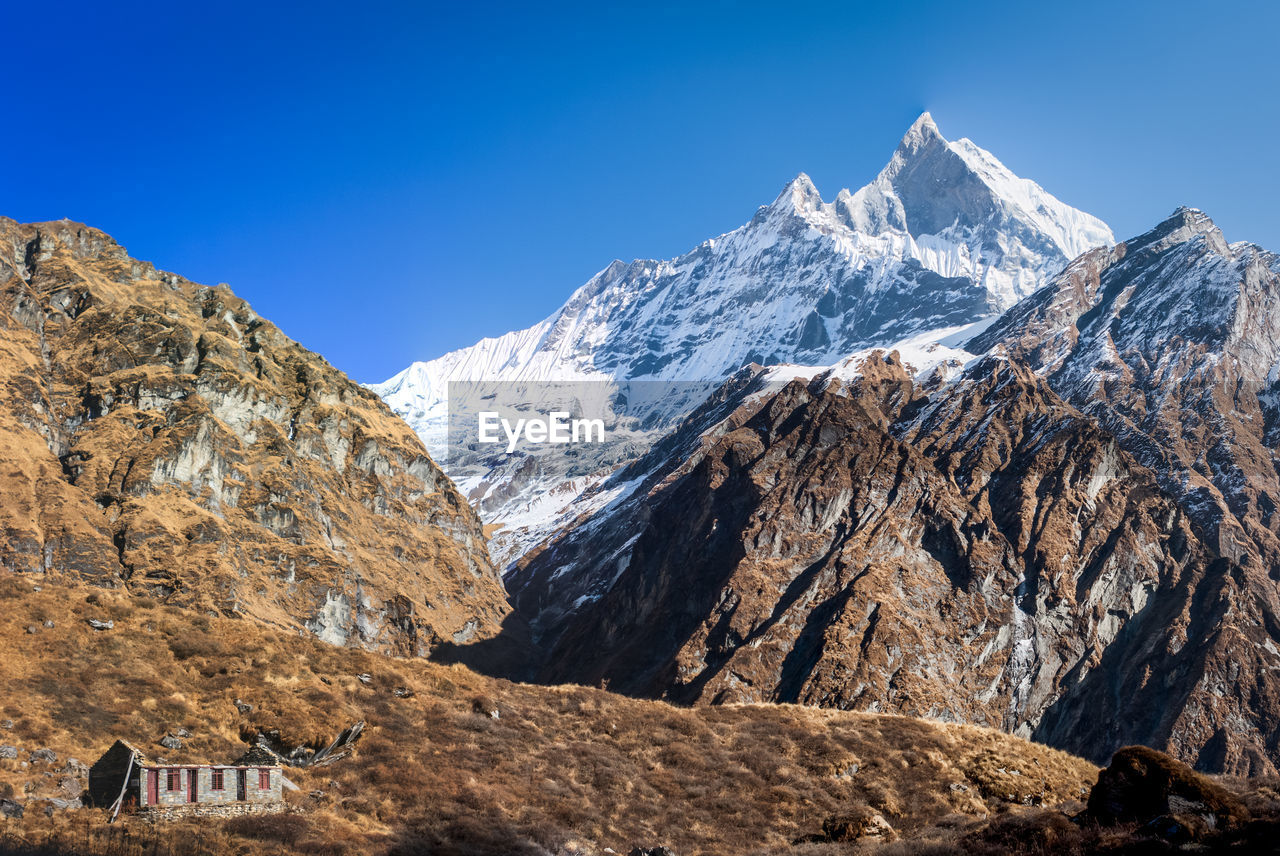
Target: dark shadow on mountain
pixel 1112 705
pixel 510 654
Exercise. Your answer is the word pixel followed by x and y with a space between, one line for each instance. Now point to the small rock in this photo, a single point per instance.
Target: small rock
pixel 877 826
pixel 403 692
pixel 31 628
pixel 48 622
pixel 10 809
pixel 100 625
pixel 183 733
pixel 651 851
pixel 365 678
pixel 70 786
pixel 8 751
pixel 956 786
pixel 243 706
pixel 317 795
pixel 6 724
pixel 170 742
pixel 43 756
pixel 58 804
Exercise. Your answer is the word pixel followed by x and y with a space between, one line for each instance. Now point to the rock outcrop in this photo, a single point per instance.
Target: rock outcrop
pixel 1170 799
pixel 159 435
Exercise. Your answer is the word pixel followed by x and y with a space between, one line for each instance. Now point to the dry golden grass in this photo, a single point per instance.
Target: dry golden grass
pixel 561 769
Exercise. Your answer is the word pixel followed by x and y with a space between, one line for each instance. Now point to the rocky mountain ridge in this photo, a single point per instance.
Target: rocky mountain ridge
pixel 1172 340
pixel 1000 545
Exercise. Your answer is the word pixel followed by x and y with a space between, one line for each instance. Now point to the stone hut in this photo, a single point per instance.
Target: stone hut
pixel 123 779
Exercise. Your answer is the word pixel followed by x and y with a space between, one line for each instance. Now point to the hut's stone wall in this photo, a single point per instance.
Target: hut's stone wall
pixel 206 793
pixel 174 812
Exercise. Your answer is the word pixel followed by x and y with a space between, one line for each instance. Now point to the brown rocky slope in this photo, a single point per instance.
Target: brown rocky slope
pixel 157 434
pixel 978 551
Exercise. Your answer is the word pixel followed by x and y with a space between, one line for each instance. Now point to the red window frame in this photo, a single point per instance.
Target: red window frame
pixel 173 780
pixel 217 781
pixel 264 780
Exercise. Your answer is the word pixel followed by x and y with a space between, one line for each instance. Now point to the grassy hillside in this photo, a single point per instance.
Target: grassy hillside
pixel 559 769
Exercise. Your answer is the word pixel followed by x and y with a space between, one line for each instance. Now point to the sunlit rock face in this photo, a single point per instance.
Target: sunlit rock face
pixel 159 435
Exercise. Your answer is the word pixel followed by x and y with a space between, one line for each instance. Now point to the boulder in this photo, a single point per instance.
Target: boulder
pixel 100 625
pixel 1144 786
pixel 43 756
pixel 74 767
pixel 10 809
pixel 8 751
pixel 863 823
pixel 170 742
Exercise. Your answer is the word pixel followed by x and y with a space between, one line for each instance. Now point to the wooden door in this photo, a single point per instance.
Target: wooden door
pixel 153 787
pixel 241 786
pixel 192 781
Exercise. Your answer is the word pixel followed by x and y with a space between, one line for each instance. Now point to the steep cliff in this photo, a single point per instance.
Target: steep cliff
pixel 159 435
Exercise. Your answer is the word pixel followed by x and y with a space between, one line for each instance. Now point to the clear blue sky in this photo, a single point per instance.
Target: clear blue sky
pixel 391 181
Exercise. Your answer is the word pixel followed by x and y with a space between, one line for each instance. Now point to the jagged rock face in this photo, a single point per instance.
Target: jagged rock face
pixel 158 434
pixel 1172 340
pixel 980 550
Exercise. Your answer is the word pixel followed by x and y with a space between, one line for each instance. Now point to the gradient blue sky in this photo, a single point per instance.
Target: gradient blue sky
pixel 391 181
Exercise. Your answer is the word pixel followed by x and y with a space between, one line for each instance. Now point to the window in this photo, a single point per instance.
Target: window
pixel 174 781
pixel 264 780
pixel 217 780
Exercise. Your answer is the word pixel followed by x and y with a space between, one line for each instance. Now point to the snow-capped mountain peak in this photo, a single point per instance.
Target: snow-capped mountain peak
pixel 944 236
pixel 798 197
